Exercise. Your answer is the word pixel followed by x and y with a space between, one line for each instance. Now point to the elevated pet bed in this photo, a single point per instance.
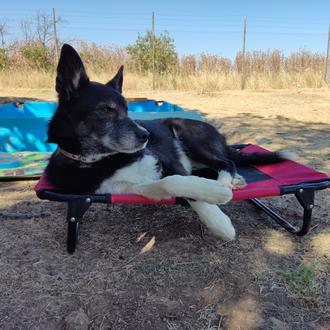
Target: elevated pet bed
pixel 284 178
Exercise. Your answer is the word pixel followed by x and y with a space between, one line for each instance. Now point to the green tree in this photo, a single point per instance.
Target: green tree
pixel 166 56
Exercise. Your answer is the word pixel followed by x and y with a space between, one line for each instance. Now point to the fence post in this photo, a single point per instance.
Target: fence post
pixel 327 62
pixel 153 51
pixel 243 57
pixel 55 36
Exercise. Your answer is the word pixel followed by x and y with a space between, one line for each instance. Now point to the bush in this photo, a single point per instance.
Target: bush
pixel 37 55
pixel 102 58
pixel 3 59
pixel 166 57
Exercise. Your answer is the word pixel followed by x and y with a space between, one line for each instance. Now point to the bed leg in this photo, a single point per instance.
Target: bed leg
pixel 306 200
pixel 76 210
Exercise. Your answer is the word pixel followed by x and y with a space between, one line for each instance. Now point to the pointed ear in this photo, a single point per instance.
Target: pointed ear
pixel 117 81
pixel 71 74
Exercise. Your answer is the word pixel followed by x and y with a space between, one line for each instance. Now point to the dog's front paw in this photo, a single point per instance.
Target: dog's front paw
pixel 215 220
pixel 238 182
pixel 197 188
pixel 215 193
pixel 225 195
pixel 225 179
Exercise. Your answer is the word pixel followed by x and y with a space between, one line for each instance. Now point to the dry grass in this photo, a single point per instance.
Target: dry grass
pixel 202 83
pixel 26 79
pixel 204 73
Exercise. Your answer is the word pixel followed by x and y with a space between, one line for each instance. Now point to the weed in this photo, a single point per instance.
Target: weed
pixel 260 276
pixel 301 279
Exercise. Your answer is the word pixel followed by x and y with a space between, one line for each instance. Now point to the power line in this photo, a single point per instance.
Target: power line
pixel 218 27
pixel 202 31
pixel 176 25
pixel 144 28
pixel 172 16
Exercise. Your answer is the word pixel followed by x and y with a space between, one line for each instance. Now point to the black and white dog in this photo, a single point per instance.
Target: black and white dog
pixel 101 150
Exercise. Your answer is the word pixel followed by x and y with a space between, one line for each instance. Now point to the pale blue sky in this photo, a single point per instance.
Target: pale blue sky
pixel 196 26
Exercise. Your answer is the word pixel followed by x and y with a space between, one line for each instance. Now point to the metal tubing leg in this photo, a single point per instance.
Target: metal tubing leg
pixel 76 210
pixel 306 200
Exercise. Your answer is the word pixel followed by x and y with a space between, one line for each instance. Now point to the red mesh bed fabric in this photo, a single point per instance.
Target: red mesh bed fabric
pixel 284 173
pixel 44 184
pixel 137 199
pixel 257 189
pixel 288 172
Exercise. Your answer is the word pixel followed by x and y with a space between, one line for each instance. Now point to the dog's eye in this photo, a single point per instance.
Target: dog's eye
pixel 107 108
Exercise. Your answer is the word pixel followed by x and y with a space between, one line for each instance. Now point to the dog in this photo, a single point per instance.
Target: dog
pixel 101 150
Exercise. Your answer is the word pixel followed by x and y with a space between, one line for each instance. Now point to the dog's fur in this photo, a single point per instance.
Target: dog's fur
pixel 153 158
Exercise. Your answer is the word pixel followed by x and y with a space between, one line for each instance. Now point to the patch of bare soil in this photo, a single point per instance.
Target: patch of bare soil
pixel 152 267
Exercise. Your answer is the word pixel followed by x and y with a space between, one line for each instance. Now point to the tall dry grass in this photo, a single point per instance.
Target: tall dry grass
pixel 204 73
pixel 202 82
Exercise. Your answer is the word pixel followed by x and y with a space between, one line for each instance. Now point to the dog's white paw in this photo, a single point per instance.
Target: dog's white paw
pixel 225 179
pixel 215 193
pixel 287 154
pixel 215 220
pixel 197 188
pixel 238 182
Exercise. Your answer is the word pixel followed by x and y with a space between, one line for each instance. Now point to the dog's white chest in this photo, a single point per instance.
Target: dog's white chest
pixel 143 171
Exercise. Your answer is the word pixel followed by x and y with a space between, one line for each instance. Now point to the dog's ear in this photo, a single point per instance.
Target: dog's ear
pixel 71 74
pixel 117 81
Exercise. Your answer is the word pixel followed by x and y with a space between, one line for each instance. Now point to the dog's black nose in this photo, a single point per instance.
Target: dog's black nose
pixel 143 135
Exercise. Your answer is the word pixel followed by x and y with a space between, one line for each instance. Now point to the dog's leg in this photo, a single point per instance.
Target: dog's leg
pixel 196 188
pixel 192 187
pixel 205 145
pixel 214 219
pixel 199 189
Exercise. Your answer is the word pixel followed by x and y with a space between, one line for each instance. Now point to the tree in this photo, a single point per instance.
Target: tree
pixel 166 56
pixel 39 29
pixel 38 36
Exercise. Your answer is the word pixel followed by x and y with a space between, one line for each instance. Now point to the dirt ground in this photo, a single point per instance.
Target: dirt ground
pixel 152 267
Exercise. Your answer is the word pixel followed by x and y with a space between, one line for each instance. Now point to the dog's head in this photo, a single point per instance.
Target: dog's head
pixel 91 117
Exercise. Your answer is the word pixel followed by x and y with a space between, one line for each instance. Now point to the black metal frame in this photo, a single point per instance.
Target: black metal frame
pixel 305 194
pixel 79 204
pixel 77 207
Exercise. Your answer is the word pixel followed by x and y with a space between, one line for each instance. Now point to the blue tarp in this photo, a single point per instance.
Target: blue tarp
pixel 47 109
pixel 24 127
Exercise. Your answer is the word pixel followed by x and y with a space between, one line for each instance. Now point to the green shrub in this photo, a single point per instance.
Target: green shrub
pixel 3 59
pixel 37 55
pixel 141 52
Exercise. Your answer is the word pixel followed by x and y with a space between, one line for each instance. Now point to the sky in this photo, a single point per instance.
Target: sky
pixel 214 27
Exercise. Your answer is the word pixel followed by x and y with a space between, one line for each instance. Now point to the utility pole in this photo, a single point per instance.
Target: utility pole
pixel 55 36
pixel 3 32
pixel 243 57
pixel 327 62
pixel 153 51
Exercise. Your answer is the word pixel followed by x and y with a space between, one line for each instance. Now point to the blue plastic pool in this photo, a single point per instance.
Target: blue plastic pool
pixel 23 127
